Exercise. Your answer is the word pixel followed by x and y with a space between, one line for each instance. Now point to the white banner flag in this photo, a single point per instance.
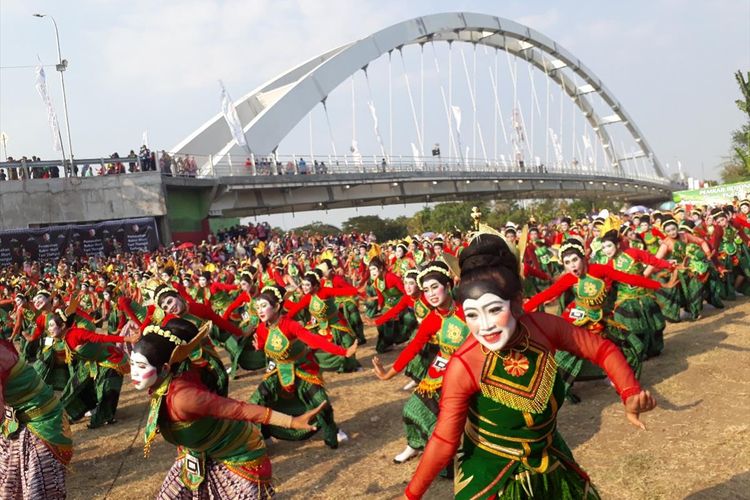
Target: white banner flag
pixel 374 115
pixel 41 87
pixel 231 117
pixel 144 138
pixel 418 161
pixel 356 155
pixel 457 116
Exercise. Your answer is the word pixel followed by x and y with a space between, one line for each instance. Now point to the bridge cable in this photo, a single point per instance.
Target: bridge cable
pixel 373 113
pixel 498 110
pixel 411 101
pixel 472 95
pixel 390 104
pixel 442 92
pixel 330 133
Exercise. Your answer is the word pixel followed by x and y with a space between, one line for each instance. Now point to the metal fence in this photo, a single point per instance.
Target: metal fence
pixel 209 166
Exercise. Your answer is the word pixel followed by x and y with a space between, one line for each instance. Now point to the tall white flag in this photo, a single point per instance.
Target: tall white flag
pixel 231 117
pixel 371 106
pixel 418 160
pixel 41 87
pixel 144 138
pixel 457 116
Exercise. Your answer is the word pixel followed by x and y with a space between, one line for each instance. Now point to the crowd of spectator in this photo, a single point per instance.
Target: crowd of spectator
pixel 146 160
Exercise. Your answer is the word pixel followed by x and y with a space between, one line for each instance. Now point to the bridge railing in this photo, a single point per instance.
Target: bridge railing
pixel 286 165
pixel 208 166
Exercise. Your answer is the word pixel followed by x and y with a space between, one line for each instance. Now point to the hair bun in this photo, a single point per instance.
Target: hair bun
pixel 487 250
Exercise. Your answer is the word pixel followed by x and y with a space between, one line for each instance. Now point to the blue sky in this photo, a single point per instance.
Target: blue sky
pixel 145 65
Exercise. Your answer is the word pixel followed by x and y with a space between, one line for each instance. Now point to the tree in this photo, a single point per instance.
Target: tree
pixel 737 167
pixel 319 228
pixel 384 229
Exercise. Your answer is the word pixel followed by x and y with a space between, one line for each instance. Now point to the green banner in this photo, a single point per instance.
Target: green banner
pixel 714 195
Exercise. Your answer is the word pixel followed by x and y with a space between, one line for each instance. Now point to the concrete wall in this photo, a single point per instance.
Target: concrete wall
pixel 59 201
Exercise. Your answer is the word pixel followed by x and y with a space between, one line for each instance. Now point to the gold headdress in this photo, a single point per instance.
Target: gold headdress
pixel 611 223
pixel 481 228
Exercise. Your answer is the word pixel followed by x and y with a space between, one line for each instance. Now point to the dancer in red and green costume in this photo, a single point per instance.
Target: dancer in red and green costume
pixel 326 320
pixel 221 453
pixel 23 320
pixel 590 284
pixel 635 307
pixel 415 309
pixel 446 325
pixel 98 371
pixel 349 305
pixel 505 440
pixel 689 294
pixel 389 291
pixel 35 439
pixel 293 382
pixel 241 311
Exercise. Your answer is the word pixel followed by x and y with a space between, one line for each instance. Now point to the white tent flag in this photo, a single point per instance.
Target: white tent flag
pixel 231 117
pixel 41 87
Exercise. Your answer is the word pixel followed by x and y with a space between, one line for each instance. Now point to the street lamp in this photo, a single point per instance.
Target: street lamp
pixel 61 66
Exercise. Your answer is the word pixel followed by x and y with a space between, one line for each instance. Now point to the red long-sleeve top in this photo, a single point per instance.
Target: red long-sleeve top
pixel 293 330
pixel 606 273
pixel 394 311
pixel 462 381
pixel 645 257
pixel 76 337
pixel 41 326
pixel 323 293
pixel 188 399
pixel 242 299
pixel 429 327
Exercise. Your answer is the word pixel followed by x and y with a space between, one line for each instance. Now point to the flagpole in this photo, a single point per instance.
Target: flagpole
pixel 61 66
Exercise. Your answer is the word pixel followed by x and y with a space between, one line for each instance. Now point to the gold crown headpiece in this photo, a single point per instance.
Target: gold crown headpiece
pixel 156 329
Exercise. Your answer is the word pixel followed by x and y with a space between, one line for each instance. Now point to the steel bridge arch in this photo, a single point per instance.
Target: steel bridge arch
pixel 271 111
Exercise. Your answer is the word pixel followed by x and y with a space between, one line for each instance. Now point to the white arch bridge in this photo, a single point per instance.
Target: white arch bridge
pixel 597 151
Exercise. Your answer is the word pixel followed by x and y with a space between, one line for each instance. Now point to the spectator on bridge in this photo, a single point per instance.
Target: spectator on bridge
pixel 191 167
pixel 383 165
pixel 132 163
pixel 302 166
pixel 165 163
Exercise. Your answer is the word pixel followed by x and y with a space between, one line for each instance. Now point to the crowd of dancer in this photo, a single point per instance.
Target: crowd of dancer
pixel 487 365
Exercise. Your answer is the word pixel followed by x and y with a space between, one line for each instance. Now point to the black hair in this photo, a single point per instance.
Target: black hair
pixel 612 235
pixel 577 248
pixel 377 262
pixel 269 294
pixel 440 272
pixel 158 349
pixel 489 260
pixel 312 277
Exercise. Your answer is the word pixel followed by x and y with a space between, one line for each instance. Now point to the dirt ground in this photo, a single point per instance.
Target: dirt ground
pixel 697 444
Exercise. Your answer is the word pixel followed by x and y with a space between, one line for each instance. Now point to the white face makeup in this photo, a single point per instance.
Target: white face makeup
pixel 172 305
pixel 374 272
pixel 410 287
pixel 142 373
pixel 265 310
pixel 39 302
pixel 490 320
pixel 435 292
pixel 306 286
pixel 54 330
pixel 574 264
pixel 609 248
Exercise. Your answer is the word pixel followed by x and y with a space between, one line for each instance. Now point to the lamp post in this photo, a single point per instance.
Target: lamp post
pixel 61 66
